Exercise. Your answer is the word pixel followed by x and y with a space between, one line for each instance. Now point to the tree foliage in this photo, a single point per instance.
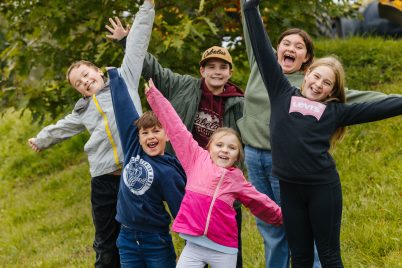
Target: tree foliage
pixel 39 39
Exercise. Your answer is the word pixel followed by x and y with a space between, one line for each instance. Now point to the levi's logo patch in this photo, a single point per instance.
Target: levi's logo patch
pixel 306 107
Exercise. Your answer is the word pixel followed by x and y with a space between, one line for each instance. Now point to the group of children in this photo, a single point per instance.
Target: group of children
pixel 134 171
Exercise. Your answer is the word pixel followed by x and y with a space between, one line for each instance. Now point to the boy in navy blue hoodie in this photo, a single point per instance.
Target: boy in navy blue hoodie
pixel 150 177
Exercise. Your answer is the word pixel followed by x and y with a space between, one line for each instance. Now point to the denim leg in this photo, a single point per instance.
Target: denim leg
pixel 316 263
pixel 259 166
pixel 129 250
pixel 145 250
pixel 159 250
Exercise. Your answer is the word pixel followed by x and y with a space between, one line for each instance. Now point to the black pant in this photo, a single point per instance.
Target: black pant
pixel 312 213
pixel 104 190
pixel 239 221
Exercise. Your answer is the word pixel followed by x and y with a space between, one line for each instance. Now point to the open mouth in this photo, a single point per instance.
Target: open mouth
pixel 315 91
pixel 289 58
pixel 152 144
pixel 90 86
pixel 223 157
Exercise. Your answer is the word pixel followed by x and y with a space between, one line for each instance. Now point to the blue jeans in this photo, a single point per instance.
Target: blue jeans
pixel 259 168
pixel 145 250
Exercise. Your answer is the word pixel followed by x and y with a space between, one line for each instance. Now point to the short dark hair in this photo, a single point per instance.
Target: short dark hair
pixel 147 120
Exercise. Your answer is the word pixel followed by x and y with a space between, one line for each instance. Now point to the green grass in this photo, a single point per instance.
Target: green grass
pixel 45 213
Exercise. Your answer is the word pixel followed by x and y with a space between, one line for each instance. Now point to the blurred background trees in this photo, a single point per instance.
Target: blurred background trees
pixel 39 40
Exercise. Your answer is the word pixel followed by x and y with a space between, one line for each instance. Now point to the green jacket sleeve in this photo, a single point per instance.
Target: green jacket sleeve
pixel 169 83
pixel 357 96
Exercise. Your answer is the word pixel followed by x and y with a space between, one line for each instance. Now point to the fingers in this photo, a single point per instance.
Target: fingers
pixel 151 83
pixel 146 88
pixel 118 22
pixel 110 29
pixel 113 23
pixel 31 143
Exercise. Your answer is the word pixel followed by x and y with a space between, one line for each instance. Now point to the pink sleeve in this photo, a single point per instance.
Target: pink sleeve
pixel 185 146
pixel 260 204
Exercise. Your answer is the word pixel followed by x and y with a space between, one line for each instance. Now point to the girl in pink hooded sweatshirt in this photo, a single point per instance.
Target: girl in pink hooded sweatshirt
pixel 206 218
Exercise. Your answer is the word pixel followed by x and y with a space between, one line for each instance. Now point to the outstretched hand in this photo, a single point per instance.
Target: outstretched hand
pixel 149 85
pixel 117 29
pixel 32 143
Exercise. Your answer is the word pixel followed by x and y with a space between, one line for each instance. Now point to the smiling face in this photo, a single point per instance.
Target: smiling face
pixel 87 80
pixel 292 53
pixel 318 83
pixel 224 149
pixel 153 140
pixel 216 73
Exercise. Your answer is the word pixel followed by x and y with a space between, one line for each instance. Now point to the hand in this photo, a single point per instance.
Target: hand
pixel 149 86
pixel 117 29
pixel 32 143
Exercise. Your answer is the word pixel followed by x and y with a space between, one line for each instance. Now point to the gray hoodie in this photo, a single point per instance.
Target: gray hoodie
pixel 96 113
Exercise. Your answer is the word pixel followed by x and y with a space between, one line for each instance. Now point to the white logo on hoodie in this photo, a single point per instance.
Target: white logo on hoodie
pixel 138 175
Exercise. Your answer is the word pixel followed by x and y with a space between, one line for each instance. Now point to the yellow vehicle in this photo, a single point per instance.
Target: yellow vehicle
pixel 391 10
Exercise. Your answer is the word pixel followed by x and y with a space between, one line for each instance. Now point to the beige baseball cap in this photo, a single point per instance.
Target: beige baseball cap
pixel 216 52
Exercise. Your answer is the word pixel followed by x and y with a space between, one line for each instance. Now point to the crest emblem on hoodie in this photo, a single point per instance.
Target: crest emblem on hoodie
pixel 138 175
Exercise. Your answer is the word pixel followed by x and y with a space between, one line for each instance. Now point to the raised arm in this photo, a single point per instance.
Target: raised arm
pixel 124 110
pixel 249 49
pixel 271 72
pixel 184 145
pixel 136 49
pixel 166 81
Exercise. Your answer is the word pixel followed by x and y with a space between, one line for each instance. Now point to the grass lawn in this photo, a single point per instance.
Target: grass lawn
pixel 44 197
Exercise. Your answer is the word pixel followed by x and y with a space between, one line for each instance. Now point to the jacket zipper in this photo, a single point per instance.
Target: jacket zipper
pixel 107 130
pixel 213 202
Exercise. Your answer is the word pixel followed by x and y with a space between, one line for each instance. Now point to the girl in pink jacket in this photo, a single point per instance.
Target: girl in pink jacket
pixel 206 218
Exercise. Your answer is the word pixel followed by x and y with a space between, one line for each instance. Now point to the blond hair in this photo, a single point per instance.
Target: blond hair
pixel 78 64
pixel 338 91
pixel 220 132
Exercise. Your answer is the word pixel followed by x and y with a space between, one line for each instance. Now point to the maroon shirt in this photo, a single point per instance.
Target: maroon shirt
pixel 210 112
